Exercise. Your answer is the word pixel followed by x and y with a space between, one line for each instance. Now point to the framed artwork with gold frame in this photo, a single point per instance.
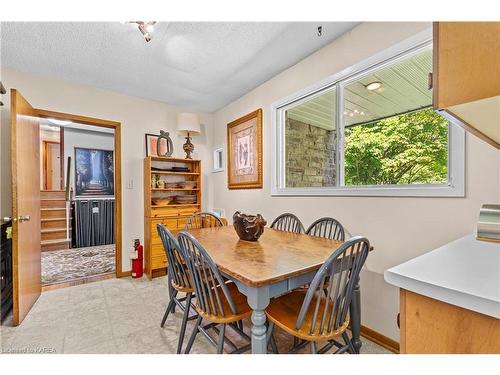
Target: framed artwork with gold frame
pixel 244 152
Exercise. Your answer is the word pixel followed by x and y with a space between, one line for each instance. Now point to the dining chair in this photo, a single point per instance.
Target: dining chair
pixel 288 223
pixel 312 315
pixel 203 220
pixel 218 302
pixel 178 281
pixel 327 227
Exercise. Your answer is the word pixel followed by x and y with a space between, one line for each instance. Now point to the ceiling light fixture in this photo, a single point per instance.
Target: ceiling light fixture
pixel 145 27
pixel 373 85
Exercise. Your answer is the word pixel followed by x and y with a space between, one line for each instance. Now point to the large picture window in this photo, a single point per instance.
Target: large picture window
pixel 371 131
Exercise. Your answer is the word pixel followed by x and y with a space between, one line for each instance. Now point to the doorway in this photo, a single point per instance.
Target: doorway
pixel 89 172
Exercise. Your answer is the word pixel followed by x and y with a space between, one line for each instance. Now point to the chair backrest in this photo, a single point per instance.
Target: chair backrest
pixel 212 294
pixel 327 227
pixel 339 274
pixel 203 220
pixel 288 223
pixel 177 270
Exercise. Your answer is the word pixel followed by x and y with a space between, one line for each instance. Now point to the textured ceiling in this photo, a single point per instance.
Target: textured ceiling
pixel 404 88
pixel 199 66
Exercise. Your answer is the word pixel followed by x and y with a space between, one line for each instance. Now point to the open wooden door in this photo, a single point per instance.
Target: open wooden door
pixel 26 250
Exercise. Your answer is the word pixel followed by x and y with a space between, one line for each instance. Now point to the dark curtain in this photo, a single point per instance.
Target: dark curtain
pixel 94 222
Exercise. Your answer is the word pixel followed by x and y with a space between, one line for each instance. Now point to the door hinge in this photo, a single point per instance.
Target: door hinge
pixel 429 81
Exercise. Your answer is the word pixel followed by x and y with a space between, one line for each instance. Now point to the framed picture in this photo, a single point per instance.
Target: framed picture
pixel 244 152
pixel 94 172
pixel 152 145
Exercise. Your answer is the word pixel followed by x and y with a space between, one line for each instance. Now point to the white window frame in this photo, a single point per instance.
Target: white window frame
pixel 455 187
pixel 215 165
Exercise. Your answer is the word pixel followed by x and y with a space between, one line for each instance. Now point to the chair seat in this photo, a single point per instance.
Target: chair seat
pixel 240 301
pixel 284 311
pixel 181 288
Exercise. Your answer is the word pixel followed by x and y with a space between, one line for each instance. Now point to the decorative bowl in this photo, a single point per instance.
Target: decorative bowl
pixel 185 198
pixel 188 184
pixel 248 227
pixel 161 201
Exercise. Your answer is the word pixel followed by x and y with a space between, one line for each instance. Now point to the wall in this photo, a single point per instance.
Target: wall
pixel 399 228
pixel 84 139
pixel 137 117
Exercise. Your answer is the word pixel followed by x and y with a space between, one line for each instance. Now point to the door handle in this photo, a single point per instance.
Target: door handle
pixel 7 219
pixel 24 218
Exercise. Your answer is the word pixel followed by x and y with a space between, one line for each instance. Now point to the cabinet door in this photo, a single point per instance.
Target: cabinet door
pixel 466 63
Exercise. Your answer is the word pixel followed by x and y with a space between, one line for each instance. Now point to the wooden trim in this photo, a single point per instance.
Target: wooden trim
pixel 61 154
pixel 435 65
pixel 83 280
pixel 116 126
pixel 253 184
pixel 380 339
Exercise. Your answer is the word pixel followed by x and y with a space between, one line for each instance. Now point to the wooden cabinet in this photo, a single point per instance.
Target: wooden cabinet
pixel 161 206
pixel 466 75
pixel 429 326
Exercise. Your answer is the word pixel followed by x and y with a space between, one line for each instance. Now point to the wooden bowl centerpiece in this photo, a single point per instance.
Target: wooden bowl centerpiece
pixel 248 227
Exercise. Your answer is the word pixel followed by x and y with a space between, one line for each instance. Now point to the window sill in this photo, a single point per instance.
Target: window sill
pixel 425 191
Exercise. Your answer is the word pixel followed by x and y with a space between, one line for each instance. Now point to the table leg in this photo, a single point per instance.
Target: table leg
pixel 258 300
pixel 355 312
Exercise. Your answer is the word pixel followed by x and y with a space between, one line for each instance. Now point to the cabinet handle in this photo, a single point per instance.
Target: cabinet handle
pixel 429 81
pixel 397 320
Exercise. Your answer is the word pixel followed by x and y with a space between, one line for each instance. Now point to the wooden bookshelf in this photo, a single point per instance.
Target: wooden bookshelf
pixel 174 215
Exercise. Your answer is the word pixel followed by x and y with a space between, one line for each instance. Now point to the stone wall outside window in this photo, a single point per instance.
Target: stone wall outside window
pixel 310 155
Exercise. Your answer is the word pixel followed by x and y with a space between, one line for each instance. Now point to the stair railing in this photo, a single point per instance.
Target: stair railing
pixel 67 196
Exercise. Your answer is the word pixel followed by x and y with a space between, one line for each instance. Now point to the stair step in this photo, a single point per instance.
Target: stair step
pixel 54 234
pixel 52 212
pixel 58 244
pixel 52 194
pixel 52 203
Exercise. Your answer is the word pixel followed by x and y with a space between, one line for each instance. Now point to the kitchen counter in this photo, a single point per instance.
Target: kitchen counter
pixel 464 273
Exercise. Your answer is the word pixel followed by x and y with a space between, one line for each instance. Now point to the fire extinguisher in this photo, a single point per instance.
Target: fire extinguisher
pixel 137 255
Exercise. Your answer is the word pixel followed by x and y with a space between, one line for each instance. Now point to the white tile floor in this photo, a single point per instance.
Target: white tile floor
pixel 110 316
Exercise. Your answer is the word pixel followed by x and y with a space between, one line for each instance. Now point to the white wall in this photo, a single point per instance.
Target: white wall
pixel 137 116
pixel 85 139
pixel 399 228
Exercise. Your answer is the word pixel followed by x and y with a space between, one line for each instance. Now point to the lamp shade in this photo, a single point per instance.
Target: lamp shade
pixel 188 123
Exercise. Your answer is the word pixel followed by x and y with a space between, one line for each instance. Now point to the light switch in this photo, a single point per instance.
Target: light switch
pixel 130 184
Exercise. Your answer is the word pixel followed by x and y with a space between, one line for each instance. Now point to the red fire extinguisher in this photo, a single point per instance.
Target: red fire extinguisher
pixel 138 255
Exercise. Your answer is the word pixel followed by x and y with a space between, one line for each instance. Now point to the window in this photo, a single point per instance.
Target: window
pixel 218 159
pixel 371 132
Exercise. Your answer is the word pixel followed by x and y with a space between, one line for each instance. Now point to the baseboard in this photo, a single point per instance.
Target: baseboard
pixel 380 339
pixel 83 280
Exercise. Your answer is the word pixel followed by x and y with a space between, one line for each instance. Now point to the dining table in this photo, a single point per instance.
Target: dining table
pixel 277 263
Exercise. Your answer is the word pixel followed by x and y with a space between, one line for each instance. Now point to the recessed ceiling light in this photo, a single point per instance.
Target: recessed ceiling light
pixel 59 122
pixel 373 85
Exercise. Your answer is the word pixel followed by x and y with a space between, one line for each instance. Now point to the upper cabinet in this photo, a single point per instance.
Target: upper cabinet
pixel 466 75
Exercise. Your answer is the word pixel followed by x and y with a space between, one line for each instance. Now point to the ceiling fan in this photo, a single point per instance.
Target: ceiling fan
pixel 145 27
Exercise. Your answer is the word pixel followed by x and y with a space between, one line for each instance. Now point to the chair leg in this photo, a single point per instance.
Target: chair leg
pixel 193 335
pixel 314 349
pixel 220 342
pixel 270 338
pixel 348 342
pixel 170 307
pixel 184 321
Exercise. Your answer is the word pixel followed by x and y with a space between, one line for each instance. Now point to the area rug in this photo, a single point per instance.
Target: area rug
pixel 71 264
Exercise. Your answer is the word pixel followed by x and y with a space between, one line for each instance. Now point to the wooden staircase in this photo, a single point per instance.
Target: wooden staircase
pixel 53 220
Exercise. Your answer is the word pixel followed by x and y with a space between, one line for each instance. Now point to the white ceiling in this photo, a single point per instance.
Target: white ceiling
pixel 199 66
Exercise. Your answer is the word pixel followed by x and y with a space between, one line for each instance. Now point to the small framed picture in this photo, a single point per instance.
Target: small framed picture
pixel 152 145
pixel 244 152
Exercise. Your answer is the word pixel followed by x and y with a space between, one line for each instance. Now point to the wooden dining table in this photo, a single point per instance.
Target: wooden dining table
pixel 275 264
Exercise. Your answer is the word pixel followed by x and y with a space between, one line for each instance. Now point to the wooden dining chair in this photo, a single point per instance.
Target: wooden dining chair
pixel 218 302
pixel 288 223
pixel 312 315
pixel 203 220
pixel 178 281
pixel 327 227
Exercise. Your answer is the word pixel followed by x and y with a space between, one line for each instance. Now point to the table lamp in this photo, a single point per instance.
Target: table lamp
pixel 188 124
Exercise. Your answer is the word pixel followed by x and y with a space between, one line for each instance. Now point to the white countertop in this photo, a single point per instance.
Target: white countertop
pixel 465 273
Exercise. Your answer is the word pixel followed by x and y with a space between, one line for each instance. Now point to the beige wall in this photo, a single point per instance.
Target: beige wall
pixel 399 228
pixel 137 116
